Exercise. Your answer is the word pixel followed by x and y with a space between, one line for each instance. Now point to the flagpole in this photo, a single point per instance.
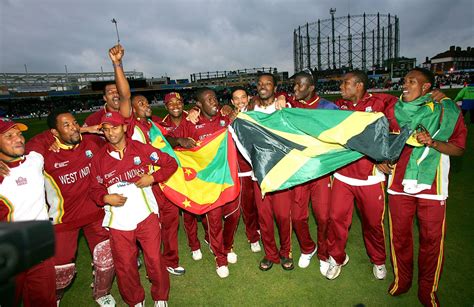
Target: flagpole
pixel 116 29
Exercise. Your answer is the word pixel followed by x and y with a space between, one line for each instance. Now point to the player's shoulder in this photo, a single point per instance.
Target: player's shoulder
pixel 34 155
pixel 384 97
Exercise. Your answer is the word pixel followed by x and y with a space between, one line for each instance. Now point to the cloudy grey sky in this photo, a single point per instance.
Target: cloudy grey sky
pixel 185 36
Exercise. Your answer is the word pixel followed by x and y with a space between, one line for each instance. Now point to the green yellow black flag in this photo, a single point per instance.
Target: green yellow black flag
pixel 292 146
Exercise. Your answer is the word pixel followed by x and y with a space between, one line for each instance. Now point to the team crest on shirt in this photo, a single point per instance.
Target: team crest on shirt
pixel 368 109
pixel 21 181
pixel 343 107
pixel 154 156
pixel 136 160
pixel 99 179
pixel 222 123
pixel 89 154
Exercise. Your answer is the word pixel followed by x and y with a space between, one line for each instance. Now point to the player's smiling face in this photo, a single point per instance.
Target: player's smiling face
pixel 208 103
pixel 175 107
pixel 115 135
pixel 240 99
pixel 266 87
pixel 12 144
pixel 67 129
pixel 414 85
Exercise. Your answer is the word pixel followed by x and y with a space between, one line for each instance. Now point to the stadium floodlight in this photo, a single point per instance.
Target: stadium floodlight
pixel 116 29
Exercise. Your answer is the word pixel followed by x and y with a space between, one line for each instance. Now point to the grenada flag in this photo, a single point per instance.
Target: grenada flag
pixel 207 175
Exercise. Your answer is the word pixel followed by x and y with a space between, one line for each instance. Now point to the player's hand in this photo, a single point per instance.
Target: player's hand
pixel 145 180
pixel 115 200
pixel 54 147
pixel 437 95
pixel 280 102
pixel 4 169
pixel 186 142
pixel 226 110
pixel 384 167
pixel 96 129
pixel 193 115
pixel 116 54
pixel 424 138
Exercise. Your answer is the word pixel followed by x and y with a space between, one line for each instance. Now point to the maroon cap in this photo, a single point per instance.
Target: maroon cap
pixel 6 124
pixel 172 95
pixel 112 118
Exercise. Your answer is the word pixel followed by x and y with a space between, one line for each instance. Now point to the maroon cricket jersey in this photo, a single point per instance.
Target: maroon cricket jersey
pixel 67 179
pixel 440 184
pixel 111 167
pixel 169 125
pixel 96 117
pixel 364 167
pixel 202 129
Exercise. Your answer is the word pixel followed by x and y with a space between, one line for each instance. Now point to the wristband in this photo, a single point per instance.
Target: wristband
pixel 117 65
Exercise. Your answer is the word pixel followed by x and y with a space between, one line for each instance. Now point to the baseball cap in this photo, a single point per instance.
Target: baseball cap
pixel 112 118
pixel 6 124
pixel 172 95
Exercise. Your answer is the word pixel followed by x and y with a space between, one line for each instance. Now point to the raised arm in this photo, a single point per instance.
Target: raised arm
pixel 116 54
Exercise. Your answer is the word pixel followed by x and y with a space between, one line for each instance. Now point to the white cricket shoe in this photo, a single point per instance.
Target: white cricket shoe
pixel 232 257
pixel 141 304
pixel 255 247
pixel 305 259
pixel 106 301
pixel 222 271
pixel 161 303
pixel 323 267
pixel 179 270
pixel 380 271
pixel 197 255
pixel 335 269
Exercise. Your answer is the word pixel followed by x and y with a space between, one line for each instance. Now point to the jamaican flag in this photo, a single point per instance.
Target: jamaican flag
pixel 207 175
pixel 292 146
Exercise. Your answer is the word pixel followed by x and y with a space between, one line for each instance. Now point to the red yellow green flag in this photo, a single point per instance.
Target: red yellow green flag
pixel 207 175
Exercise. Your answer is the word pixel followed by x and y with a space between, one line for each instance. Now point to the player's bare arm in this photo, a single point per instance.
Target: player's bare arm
pixel 443 147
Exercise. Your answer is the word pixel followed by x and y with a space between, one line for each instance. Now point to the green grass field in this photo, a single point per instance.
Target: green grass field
pixel 248 286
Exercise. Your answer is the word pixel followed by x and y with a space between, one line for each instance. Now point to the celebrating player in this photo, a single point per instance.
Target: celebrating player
pixel 274 205
pixel 221 237
pixel 120 180
pixel 22 199
pixel 419 183
pixel 362 181
pixel 137 111
pixel 71 210
pixel 240 100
